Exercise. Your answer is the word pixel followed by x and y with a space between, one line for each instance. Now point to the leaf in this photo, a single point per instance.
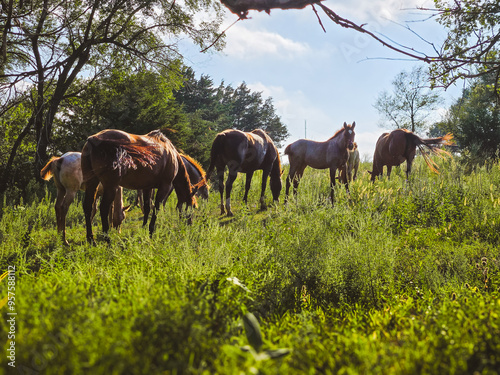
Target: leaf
pixel 278 353
pixel 237 282
pixel 252 330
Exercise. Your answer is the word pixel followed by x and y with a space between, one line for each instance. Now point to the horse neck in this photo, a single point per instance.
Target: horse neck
pixel 182 184
pixel 275 182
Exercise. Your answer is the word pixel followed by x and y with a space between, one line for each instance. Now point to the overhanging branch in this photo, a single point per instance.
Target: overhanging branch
pixel 241 7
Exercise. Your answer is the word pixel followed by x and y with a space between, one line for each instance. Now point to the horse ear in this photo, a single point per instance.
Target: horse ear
pixel 345 125
pixel 353 124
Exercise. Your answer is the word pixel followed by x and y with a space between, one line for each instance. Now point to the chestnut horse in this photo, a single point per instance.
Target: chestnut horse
pixel 245 152
pixel 116 158
pixel 352 163
pixel 68 178
pixel 197 177
pixel 393 148
pixel 331 154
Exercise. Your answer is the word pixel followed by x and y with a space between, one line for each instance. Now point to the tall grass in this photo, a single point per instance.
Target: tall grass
pixel 394 277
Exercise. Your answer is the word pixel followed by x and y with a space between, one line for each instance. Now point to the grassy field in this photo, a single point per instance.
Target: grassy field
pixel 397 278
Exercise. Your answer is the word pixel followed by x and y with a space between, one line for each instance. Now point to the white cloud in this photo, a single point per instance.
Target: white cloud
pixel 243 43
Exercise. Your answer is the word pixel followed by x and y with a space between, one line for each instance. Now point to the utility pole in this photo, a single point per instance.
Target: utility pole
pixel 305 128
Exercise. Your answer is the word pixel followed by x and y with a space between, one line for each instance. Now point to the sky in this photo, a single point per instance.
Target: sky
pixel 319 80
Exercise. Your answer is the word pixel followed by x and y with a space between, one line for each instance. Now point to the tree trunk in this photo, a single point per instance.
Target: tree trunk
pixel 4 181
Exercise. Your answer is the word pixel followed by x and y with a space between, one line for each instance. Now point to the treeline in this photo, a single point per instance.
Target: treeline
pixel 188 110
pixel 474 120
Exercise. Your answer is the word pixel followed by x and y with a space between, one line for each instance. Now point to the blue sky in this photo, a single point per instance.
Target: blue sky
pixel 317 78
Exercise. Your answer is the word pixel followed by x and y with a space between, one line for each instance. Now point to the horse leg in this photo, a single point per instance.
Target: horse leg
pixel 265 175
pixel 220 178
pixel 389 169
pixel 247 185
pixel 61 192
pixel 68 199
pixel 160 196
pixel 88 202
pixel 107 199
pixel 408 168
pixel 296 180
pixel 345 179
pixel 289 178
pixel 293 178
pixel 333 172
pixel 146 208
pixel 229 187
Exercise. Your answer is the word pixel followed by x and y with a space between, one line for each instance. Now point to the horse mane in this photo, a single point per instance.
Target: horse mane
pixel 158 135
pixel 195 164
pixel 337 133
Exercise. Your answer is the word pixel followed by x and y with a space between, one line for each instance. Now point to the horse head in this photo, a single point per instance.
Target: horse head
pixel 349 134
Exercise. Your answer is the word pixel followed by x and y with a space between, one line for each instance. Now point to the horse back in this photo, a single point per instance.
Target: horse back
pixel 129 160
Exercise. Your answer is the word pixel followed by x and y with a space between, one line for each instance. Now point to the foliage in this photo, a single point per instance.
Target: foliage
pixel 411 102
pixel 52 44
pixel 466 52
pixel 474 120
pixel 230 108
pixel 396 277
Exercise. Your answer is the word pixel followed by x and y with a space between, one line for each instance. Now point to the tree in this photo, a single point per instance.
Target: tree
pixel 52 43
pixel 225 107
pixel 410 104
pixel 474 120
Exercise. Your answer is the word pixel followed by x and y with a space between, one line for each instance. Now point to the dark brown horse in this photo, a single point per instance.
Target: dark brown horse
pixel 197 177
pixel 245 152
pixel 331 154
pixel 116 158
pixel 393 148
pixel 68 178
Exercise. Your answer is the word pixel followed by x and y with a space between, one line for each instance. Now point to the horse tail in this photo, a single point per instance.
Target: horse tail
pixel 287 149
pixel 431 144
pixel 86 163
pixel 217 146
pixel 46 172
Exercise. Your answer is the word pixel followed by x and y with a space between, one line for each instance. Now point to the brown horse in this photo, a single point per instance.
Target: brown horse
pixel 393 148
pixel 245 152
pixel 331 154
pixel 68 178
pixel 116 158
pixel 353 163
pixel 197 176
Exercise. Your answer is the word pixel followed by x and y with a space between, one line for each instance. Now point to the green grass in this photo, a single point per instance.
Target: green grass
pixel 396 278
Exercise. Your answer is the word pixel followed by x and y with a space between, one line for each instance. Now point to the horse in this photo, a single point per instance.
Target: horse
pixel 393 148
pixel 116 158
pixel 245 152
pixel 331 154
pixel 197 177
pixel 68 178
pixel 352 162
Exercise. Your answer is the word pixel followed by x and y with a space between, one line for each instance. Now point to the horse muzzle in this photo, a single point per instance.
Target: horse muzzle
pixel 350 146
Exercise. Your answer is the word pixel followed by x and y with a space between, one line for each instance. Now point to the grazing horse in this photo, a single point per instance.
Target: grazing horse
pixel 393 148
pixel 116 158
pixel 197 178
pixel 331 153
pixel 67 172
pixel 352 162
pixel 245 152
